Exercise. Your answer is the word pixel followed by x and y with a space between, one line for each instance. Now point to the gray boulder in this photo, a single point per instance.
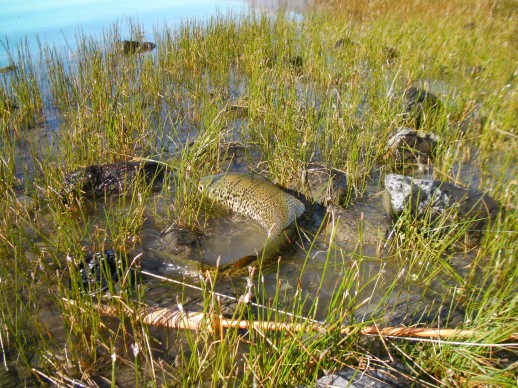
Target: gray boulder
pixel 410 147
pixel 437 198
pixel 321 184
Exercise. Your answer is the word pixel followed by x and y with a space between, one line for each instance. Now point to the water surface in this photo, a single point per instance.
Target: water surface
pixel 58 21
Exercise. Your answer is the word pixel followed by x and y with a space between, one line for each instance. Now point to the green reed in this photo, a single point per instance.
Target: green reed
pixel 337 104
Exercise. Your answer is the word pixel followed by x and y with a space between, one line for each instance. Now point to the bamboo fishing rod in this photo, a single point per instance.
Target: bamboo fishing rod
pixel 177 319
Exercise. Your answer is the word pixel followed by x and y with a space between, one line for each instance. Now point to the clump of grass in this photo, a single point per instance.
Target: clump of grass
pixel 306 99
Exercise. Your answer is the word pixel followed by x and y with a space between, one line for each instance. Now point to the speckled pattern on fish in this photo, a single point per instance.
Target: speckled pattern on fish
pixel 255 197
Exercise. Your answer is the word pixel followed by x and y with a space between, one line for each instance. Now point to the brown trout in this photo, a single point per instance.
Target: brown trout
pixel 255 197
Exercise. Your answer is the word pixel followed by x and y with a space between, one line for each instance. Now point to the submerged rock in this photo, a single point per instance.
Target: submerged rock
pixel 437 199
pixel 351 229
pixel 176 249
pixel 98 272
pixel 178 241
pixel 97 181
pixel 419 104
pixel 129 47
pixel 411 147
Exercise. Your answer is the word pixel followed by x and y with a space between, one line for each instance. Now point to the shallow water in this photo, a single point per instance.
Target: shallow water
pixel 316 264
pixel 229 237
pixel 224 239
pixel 56 22
pixel 326 266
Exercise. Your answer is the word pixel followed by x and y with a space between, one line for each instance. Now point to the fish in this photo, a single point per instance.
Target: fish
pixel 255 197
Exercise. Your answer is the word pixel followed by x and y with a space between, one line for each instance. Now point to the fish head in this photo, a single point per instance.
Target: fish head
pixel 207 181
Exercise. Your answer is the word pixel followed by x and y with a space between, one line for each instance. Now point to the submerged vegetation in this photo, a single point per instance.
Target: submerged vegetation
pixel 328 87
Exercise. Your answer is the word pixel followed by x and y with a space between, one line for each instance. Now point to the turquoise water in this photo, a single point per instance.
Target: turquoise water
pixel 57 22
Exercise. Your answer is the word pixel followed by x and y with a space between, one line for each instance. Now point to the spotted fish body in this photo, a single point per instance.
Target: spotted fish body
pixel 255 197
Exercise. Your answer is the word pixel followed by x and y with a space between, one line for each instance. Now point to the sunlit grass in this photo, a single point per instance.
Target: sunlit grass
pixel 303 98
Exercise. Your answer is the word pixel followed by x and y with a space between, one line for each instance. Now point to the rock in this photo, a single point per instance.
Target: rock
pixel 377 374
pixel 98 181
pixel 7 69
pixel 320 184
pixel 344 42
pixel 174 247
pixel 296 61
pixel 472 122
pixel 178 241
pixel 440 198
pixel 390 54
pixel 419 104
pixel 129 47
pixel 411 147
pixel 351 229
pixel 97 271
